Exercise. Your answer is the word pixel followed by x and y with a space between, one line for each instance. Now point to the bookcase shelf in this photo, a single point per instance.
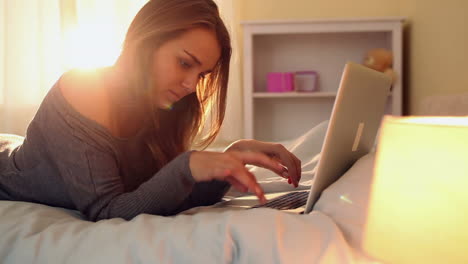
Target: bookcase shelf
pixel 322 45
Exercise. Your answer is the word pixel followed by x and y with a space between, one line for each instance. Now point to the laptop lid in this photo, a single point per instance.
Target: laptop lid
pixel 357 112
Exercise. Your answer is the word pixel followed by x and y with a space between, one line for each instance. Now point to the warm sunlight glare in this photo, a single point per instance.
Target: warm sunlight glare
pixel 100 28
pixel 91 45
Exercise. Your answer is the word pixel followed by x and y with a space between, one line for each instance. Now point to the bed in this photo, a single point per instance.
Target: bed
pixel 332 233
pixel 34 233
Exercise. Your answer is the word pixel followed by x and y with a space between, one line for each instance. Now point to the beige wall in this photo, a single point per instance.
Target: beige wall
pixel 436 37
pixel 300 9
pixel 437 43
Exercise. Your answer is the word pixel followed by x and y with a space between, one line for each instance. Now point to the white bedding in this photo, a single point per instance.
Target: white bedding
pixel 32 233
pixel 39 234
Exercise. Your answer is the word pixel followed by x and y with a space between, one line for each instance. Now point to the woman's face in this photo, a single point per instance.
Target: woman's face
pixel 180 63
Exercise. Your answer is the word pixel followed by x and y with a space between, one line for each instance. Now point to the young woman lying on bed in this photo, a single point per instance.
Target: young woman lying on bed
pixel 115 142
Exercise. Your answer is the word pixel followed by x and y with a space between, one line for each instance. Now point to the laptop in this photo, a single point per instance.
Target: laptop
pixel 352 129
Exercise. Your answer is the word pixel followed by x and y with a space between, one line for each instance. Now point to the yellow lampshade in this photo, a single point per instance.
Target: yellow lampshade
pixel 418 207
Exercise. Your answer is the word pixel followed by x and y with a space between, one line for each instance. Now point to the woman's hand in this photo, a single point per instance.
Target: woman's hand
pixel 277 152
pixel 230 167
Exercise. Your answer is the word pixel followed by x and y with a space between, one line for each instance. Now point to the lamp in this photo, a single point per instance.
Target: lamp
pixel 418 207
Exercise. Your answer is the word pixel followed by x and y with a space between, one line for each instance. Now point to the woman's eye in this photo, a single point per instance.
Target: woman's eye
pixel 184 64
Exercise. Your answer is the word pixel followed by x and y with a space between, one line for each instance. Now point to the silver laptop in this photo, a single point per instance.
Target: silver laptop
pixel 355 120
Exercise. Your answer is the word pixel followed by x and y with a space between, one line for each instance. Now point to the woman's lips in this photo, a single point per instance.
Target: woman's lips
pixel 174 96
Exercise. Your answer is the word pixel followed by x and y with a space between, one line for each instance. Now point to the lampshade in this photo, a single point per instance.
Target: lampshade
pixel 418 207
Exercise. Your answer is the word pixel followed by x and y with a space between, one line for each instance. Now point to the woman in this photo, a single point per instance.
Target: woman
pixel 115 142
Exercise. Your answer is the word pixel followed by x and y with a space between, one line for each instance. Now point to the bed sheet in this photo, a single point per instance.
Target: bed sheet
pixel 33 233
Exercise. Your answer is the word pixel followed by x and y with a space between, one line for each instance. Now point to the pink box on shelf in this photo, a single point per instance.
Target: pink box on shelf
pixel 279 82
pixel 306 81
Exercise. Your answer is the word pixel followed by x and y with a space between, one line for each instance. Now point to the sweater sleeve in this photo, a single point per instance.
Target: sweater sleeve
pixel 93 182
pixel 91 178
pixel 204 194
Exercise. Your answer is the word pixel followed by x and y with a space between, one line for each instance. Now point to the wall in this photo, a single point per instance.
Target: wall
pixel 437 44
pixel 436 37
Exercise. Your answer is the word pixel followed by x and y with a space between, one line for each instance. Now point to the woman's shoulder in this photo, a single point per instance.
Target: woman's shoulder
pixel 84 91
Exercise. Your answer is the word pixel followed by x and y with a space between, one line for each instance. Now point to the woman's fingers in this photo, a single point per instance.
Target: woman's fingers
pixel 230 166
pixel 236 184
pixel 297 161
pixel 291 161
pixel 259 159
pixel 243 180
pixel 246 178
pixel 206 166
pixel 277 152
pixel 295 171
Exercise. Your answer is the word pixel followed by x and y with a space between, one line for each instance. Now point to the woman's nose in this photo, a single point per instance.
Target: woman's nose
pixel 190 84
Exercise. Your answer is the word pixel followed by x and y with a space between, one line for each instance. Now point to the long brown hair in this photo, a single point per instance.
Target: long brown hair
pixel 175 131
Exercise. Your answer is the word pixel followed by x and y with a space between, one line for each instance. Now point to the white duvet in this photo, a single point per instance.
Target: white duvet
pixel 33 233
pixel 39 234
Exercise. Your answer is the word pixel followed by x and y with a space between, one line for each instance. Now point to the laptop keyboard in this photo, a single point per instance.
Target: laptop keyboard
pixel 288 201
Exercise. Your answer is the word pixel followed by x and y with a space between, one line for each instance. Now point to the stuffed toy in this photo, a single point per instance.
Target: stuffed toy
pixel 380 60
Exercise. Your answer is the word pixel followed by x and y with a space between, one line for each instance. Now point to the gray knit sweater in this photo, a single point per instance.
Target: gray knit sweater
pixel 70 161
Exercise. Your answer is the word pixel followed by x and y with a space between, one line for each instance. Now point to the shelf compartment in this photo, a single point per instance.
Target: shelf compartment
pixel 325 53
pixel 288 118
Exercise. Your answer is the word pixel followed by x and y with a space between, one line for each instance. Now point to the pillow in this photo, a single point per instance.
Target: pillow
pixel 346 200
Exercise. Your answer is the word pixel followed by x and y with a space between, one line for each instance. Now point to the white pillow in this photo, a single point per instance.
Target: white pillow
pixel 346 200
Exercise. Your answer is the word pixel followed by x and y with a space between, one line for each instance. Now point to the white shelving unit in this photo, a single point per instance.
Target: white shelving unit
pixel 324 46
